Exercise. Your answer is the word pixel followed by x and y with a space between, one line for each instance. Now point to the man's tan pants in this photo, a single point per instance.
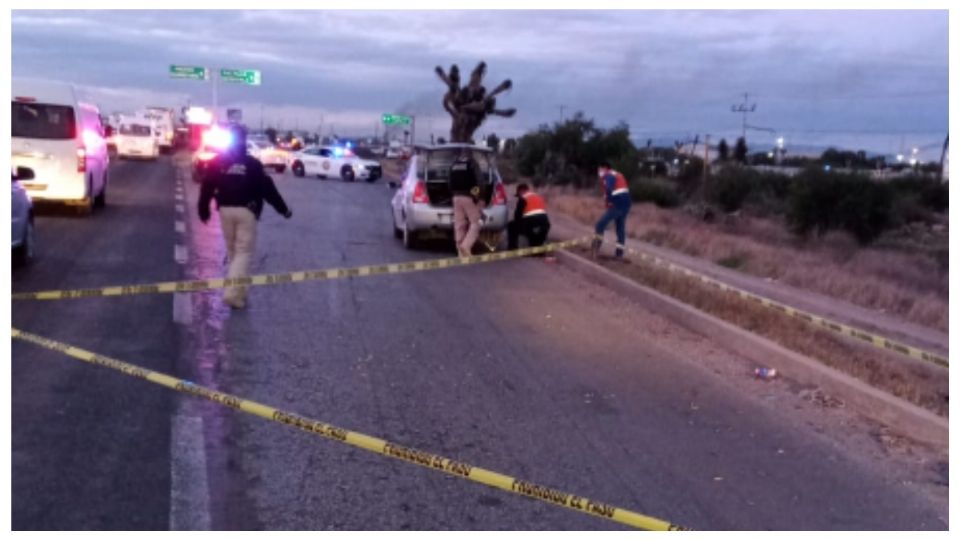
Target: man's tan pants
pixel 240 236
pixel 466 223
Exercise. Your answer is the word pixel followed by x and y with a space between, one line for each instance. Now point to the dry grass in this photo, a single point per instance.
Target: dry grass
pixel 924 385
pixel 908 284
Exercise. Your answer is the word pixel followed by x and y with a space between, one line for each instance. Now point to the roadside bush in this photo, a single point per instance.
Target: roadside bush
pixel 821 201
pixel 729 188
pixel 658 192
pixel 929 192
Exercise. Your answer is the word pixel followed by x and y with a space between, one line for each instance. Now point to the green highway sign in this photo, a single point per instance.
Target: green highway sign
pixel 242 76
pixel 189 72
pixel 392 119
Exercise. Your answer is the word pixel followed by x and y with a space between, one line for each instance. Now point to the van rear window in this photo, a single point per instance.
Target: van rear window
pixel 43 121
pixel 137 130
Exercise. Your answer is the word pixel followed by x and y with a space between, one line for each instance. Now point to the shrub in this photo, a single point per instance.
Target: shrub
pixel 822 201
pixel 658 192
pixel 928 192
pixel 730 187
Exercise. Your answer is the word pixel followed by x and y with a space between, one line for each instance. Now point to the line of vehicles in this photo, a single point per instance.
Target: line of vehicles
pixel 60 152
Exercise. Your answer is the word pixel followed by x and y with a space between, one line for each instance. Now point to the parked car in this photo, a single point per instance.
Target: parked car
pixel 325 161
pixel 270 156
pixel 422 207
pixel 135 138
pixel 62 140
pixel 21 225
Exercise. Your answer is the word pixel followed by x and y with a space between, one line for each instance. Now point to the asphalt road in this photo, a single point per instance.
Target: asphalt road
pixel 522 367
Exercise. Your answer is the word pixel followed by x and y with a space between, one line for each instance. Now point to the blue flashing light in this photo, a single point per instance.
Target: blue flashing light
pixel 338 151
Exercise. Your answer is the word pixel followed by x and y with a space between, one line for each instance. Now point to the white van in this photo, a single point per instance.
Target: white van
pixel 135 138
pixel 164 129
pixel 62 140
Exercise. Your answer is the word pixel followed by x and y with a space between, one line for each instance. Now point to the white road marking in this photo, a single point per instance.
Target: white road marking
pixel 178 196
pixel 179 208
pixel 180 226
pixel 182 309
pixel 180 253
pixel 189 493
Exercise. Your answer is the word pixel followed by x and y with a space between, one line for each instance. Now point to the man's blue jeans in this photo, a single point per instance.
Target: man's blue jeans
pixel 618 214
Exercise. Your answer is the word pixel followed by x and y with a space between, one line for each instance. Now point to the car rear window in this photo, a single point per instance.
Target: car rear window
pixel 43 121
pixel 136 130
pixel 439 162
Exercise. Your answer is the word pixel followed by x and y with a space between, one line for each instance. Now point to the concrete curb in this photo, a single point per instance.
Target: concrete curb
pixel 905 417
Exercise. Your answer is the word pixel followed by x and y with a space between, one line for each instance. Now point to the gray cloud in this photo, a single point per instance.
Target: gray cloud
pixel 661 71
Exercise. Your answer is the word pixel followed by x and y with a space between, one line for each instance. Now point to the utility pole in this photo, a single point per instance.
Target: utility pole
pixel 744 108
pixel 561 107
pixel 706 161
pixel 943 154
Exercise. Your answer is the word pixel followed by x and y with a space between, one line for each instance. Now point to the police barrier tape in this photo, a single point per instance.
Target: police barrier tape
pixel 878 341
pixel 365 442
pixel 293 277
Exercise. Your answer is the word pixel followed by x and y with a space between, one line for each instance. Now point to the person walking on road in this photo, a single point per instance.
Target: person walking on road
pixel 467 204
pixel 239 184
pixel 529 219
pixel 617 196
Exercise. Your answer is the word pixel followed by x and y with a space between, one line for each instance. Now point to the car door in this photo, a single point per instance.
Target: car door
pixel 309 159
pixel 326 163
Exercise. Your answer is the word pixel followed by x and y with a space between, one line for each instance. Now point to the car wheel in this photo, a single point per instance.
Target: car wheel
pixel 410 240
pixel 372 178
pixel 101 199
pixel 280 168
pixel 297 169
pixel 23 255
pixel 347 174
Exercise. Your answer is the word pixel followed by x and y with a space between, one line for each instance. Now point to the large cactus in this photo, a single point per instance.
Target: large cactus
pixel 470 105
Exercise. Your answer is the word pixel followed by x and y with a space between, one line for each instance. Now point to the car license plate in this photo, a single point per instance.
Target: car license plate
pixel 446 218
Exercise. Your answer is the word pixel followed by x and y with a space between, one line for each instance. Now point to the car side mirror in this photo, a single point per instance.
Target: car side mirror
pixel 24 173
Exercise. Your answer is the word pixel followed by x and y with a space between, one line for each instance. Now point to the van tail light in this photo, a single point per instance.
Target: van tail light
pixel 81 160
pixel 420 193
pixel 499 194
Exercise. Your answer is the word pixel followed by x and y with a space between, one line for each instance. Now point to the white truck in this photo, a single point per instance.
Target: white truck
pixel 165 129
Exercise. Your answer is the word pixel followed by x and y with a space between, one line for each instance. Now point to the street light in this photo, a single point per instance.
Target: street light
pixel 780 143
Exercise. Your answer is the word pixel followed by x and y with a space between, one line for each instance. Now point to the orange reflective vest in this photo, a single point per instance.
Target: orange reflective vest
pixel 621 185
pixel 535 205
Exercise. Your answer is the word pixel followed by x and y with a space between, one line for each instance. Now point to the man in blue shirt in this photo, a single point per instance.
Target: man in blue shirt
pixel 616 193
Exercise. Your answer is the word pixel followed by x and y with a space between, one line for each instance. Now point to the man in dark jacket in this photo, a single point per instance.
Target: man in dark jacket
pixel 467 204
pixel 239 185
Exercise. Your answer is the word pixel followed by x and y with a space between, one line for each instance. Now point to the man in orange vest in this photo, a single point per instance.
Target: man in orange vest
pixel 616 192
pixel 529 219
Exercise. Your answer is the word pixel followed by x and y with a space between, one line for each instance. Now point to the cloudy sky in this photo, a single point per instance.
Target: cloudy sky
pixel 867 78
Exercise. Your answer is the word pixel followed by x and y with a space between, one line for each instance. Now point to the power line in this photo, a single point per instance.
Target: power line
pixel 744 108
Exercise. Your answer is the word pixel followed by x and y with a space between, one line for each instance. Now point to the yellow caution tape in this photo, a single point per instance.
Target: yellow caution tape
pixel 291 277
pixel 878 341
pixel 379 446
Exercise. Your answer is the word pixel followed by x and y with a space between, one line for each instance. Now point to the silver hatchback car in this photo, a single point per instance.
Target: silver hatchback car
pixel 21 224
pixel 422 207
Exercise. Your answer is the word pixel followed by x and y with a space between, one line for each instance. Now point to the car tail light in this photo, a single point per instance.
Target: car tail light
pixel 420 192
pixel 81 160
pixel 499 194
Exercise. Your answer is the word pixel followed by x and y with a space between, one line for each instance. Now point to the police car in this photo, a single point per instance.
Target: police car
pixel 334 161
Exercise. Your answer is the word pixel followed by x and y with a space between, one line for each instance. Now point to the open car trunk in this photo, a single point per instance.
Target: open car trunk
pixel 438 164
